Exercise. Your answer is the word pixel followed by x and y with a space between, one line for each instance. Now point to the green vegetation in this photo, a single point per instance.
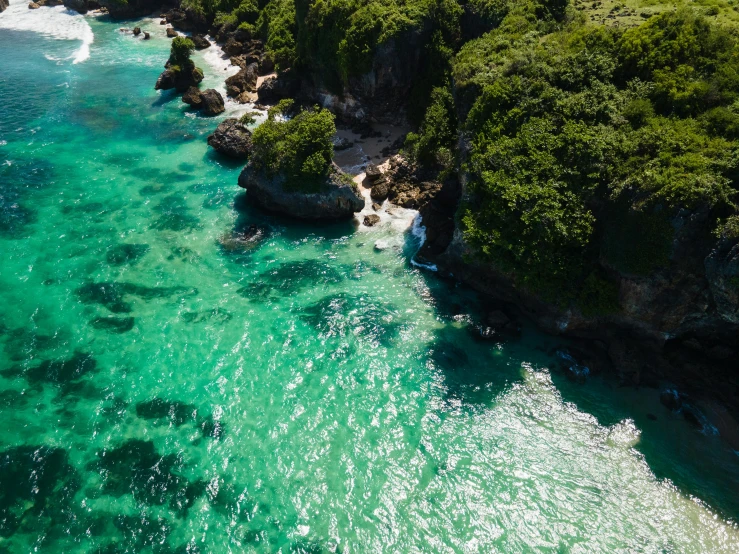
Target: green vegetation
pixel 587 140
pixel 585 127
pixel 435 142
pixel 182 49
pixel 300 148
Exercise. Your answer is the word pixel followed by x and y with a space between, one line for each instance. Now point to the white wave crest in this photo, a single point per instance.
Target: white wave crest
pixel 58 23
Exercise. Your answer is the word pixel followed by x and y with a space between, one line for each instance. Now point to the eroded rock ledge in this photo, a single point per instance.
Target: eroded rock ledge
pixel 334 198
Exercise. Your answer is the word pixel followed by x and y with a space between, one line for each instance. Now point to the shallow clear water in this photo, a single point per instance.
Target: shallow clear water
pixel 161 392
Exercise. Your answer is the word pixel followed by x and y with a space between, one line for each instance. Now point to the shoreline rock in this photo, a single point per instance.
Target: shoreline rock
pixel 180 79
pixel 336 198
pixel 232 138
pixel 245 81
pixel 209 101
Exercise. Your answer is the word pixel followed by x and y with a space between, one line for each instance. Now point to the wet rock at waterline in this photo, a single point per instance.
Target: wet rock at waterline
pixel 245 81
pixel 171 33
pixel 209 102
pixel 200 42
pixel 243 240
pixel 232 138
pixel 371 220
pixel 178 78
pixel 334 198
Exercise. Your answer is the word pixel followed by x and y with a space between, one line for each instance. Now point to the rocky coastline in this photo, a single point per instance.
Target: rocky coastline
pixel 679 325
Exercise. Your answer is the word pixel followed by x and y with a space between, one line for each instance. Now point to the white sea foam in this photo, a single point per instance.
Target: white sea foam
pixel 57 23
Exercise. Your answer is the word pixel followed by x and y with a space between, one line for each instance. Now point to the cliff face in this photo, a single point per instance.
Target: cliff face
pixel 680 323
pixel 381 94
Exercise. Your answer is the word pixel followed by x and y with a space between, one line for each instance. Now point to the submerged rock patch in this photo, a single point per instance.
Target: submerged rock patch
pixel 122 254
pixel 37 488
pixel 113 324
pixel 135 467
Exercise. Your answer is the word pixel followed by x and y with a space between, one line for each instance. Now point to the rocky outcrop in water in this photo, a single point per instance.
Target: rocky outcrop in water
pixel 232 138
pixel 181 79
pixel 336 198
pixel 200 42
pixel 209 101
pixel 3 5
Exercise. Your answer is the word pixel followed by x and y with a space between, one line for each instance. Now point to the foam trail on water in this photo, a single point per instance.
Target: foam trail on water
pixel 57 23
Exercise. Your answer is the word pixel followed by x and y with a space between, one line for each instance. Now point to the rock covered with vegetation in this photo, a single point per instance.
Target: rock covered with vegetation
pixel 180 72
pixel 291 170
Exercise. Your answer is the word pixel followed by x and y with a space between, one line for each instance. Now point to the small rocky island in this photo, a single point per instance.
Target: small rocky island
pixel 290 170
pixel 180 72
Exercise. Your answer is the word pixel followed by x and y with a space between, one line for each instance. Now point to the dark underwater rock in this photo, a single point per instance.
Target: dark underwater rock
pixel 56 372
pixel 178 413
pixel 671 399
pixel 243 240
pixel 232 138
pixel 334 198
pixel 121 254
pixel 36 482
pixel 135 467
pixel 111 295
pixel 112 324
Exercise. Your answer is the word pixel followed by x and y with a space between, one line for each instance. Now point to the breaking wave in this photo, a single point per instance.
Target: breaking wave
pixel 57 23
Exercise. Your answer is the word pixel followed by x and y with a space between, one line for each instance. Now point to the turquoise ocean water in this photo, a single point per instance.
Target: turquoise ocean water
pixel 161 391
